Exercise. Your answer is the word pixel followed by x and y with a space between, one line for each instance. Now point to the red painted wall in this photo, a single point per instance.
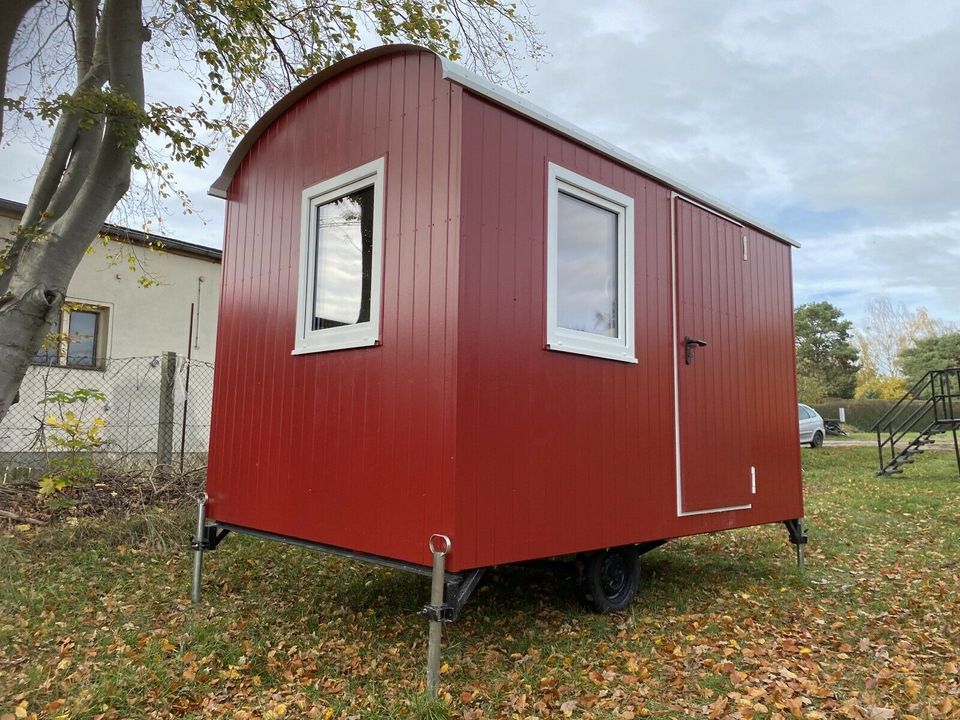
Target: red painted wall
pixel 461 422
pixel 352 448
pixel 559 453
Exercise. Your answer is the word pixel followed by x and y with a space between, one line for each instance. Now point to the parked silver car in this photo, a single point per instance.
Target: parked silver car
pixel 811 427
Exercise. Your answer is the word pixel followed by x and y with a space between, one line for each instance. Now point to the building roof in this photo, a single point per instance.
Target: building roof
pixel 14 209
pixel 474 83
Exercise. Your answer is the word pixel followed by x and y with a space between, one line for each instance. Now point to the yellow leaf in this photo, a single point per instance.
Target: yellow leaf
pixel 328 714
pixel 280 710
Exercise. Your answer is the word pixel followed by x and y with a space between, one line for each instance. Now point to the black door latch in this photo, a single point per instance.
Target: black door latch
pixel 689 344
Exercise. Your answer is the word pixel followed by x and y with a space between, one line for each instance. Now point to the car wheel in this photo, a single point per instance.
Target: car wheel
pixel 817 440
pixel 610 578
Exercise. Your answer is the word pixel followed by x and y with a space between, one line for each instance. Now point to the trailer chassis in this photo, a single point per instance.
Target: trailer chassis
pixel 449 592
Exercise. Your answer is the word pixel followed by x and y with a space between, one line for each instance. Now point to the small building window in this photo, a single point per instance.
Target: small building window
pixel 341 258
pixel 82 337
pixel 75 338
pixel 590 291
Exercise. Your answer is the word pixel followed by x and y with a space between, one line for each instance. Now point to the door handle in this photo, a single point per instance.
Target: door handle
pixel 689 345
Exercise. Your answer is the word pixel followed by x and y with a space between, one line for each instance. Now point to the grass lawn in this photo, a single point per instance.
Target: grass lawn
pixel 859 435
pixel 96 624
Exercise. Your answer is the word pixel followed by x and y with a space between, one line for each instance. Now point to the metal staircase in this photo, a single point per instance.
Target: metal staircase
pixel 933 404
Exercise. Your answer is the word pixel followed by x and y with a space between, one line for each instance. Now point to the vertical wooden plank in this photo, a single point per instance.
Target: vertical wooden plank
pixel 449 238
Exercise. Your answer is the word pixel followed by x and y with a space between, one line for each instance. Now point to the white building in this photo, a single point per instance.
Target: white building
pixel 113 332
pixel 120 318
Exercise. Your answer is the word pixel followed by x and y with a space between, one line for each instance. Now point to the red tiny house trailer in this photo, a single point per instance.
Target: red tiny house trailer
pixel 461 413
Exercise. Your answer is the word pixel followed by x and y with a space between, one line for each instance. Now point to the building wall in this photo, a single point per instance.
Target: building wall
pixel 561 453
pixel 142 323
pixel 148 321
pixel 352 448
pixel 460 421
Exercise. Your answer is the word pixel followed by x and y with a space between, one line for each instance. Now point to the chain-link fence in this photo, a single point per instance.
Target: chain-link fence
pixel 141 410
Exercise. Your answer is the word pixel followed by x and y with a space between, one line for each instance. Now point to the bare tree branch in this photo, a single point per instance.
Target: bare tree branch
pixel 10 19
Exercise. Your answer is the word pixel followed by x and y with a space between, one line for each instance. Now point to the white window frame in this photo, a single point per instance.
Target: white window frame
pixel 622 347
pixel 365 334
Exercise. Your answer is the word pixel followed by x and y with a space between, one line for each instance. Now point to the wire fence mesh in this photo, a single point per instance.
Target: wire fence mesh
pixel 139 410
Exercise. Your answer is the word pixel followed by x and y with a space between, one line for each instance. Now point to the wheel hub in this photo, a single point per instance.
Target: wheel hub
pixel 613 575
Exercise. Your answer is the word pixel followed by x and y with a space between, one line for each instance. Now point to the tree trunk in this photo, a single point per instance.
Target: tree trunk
pixel 13 14
pixel 86 172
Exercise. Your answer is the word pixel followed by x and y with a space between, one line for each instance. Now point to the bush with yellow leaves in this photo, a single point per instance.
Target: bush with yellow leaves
pixel 69 438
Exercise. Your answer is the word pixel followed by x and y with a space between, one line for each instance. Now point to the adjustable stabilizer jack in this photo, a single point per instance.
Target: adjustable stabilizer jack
pixel 213 535
pixel 798 537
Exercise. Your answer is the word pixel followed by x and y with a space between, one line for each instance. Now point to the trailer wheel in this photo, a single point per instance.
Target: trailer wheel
pixel 610 578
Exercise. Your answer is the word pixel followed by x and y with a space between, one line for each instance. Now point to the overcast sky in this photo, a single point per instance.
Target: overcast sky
pixel 836 122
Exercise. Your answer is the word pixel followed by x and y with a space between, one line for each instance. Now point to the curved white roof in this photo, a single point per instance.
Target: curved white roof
pixel 474 83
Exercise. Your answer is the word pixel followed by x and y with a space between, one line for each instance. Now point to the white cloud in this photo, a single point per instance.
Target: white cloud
pixel 915 263
pixel 838 122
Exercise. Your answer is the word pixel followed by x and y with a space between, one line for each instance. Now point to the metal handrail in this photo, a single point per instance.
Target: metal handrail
pixel 895 427
pixel 912 394
pixel 946 396
pixel 905 426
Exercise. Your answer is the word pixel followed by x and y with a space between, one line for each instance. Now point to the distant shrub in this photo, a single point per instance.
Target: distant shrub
pixel 863 414
pixel 881 388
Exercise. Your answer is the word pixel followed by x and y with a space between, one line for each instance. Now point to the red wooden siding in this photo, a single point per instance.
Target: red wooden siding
pixel 461 421
pixel 351 448
pixel 561 453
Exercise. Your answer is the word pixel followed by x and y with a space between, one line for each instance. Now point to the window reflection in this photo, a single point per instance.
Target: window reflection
pixel 82 345
pixel 344 255
pixel 586 267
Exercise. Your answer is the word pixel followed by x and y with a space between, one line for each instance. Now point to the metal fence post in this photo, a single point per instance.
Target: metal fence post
pixel 168 374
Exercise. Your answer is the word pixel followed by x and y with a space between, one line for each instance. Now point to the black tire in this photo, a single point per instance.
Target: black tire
pixel 610 578
pixel 817 440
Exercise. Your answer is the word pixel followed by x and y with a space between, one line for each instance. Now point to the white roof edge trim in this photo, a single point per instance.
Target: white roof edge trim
pixel 471 81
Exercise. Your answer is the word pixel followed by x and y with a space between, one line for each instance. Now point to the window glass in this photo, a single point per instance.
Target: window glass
pixel 344 254
pixel 82 345
pixel 587 283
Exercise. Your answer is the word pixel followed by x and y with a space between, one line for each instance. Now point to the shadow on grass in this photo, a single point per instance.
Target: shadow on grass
pixel 313 589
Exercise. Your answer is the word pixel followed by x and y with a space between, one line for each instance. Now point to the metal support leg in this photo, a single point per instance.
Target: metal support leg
pixel 199 541
pixel 956 447
pixel 798 536
pixel 439 547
